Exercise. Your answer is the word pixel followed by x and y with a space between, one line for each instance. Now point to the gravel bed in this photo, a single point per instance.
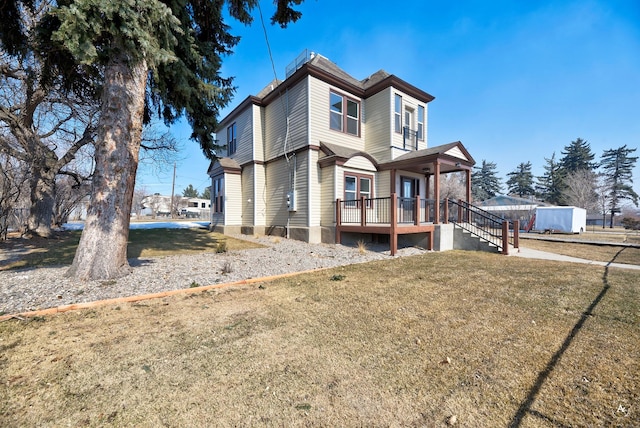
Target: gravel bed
pixel 32 289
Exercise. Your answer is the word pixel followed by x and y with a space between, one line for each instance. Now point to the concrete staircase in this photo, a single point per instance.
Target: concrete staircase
pixel 465 240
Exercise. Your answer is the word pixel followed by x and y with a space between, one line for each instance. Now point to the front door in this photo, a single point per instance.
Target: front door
pixel 409 189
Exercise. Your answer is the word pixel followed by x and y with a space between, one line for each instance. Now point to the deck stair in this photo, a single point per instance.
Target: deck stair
pixel 468 237
pixel 480 230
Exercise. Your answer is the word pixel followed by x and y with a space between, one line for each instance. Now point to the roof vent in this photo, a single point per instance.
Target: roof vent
pixel 300 60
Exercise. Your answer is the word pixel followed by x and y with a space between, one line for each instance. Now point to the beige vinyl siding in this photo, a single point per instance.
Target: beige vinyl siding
pixel 277 179
pixel 301 163
pixel 258 132
pixel 360 162
pixel 232 200
pixel 456 152
pixel 278 186
pixel 260 195
pixel 247 195
pixel 319 129
pixel 412 103
pixel 383 184
pixel 294 103
pixel 244 128
pixel 315 192
pixel 329 195
pixel 378 124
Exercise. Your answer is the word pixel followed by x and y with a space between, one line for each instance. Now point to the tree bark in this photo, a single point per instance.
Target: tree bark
pixel 42 189
pixel 102 251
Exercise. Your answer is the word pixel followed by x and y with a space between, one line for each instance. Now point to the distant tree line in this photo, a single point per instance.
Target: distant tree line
pixel 192 192
pixel 575 179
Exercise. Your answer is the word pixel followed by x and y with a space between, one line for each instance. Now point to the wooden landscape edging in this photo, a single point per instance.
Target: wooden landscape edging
pixel 130 299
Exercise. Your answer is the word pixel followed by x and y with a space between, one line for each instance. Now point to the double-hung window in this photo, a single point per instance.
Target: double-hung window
pixel 217 192
pixel 232 143
pixel 357 186
pixel 344 114
pixel 421 123
pixel 398 113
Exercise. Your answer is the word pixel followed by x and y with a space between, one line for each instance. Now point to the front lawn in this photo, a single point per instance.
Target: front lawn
pixel 466 337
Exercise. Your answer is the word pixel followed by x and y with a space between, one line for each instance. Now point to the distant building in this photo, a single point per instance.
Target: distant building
pixel 512 208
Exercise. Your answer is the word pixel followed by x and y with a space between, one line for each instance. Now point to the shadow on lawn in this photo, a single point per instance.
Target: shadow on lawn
pixel 525 406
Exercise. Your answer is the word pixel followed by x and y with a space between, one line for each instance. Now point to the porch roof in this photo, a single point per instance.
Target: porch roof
pixel 451 157
pixel 227 165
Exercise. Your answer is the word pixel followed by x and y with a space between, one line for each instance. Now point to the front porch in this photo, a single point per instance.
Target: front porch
pixel 390 216
pixel 394 216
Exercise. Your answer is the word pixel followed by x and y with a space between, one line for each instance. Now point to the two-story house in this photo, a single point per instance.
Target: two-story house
pixel 322 156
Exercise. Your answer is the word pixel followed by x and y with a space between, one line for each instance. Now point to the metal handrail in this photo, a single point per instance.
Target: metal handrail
pixel 484 224
pixel 411 136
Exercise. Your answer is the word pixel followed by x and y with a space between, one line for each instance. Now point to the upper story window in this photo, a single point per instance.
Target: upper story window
pixel 398 113
pixel 345 114
pixel 232 143
pixel 420 123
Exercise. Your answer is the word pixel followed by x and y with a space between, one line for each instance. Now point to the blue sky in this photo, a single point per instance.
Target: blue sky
pixel 515 81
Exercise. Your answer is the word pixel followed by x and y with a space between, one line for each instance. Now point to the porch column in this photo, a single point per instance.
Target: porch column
pixel 468 174
pixel 393 234
pixel 436 192
pixel 468 195
pixel 392 182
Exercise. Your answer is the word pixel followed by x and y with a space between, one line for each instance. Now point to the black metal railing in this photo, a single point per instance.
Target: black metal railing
pixel 407 210
pixel 378 211
pixel 410 138
pixel 481 223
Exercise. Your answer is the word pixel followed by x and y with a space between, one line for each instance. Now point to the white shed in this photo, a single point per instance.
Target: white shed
pixel 561 219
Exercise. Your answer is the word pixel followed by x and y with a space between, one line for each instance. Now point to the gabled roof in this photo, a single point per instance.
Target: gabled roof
pixel 451 157
pixel 224 165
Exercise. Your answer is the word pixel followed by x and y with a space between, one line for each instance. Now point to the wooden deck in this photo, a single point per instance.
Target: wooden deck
pixel 390 216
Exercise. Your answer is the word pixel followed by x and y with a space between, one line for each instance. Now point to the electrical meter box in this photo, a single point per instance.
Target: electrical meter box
pixel 292 204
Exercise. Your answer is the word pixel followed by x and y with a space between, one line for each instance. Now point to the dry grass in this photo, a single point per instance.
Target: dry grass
pixel 61 249
pixel 493 340
pixel 603 253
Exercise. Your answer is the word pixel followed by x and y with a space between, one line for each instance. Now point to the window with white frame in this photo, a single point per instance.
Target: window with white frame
pixel 344 114
pixel 217 190
pixel 357 186
pixel 232 144
pixel 421 123
pixel 398 113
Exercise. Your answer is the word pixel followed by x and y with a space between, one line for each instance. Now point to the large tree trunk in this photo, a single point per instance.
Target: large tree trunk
pixel 102 251
pixel 42 189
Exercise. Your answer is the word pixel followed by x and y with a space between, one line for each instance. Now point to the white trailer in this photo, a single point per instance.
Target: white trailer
pixel 561 219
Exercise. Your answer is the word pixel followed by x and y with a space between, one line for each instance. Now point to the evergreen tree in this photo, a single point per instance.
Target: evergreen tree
pixel 160 56
pixel 617 169
pixel 190 192
pixel 485 183
pixel 520 181
pixel 577 156
pixel 549 187
pixel 206 193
